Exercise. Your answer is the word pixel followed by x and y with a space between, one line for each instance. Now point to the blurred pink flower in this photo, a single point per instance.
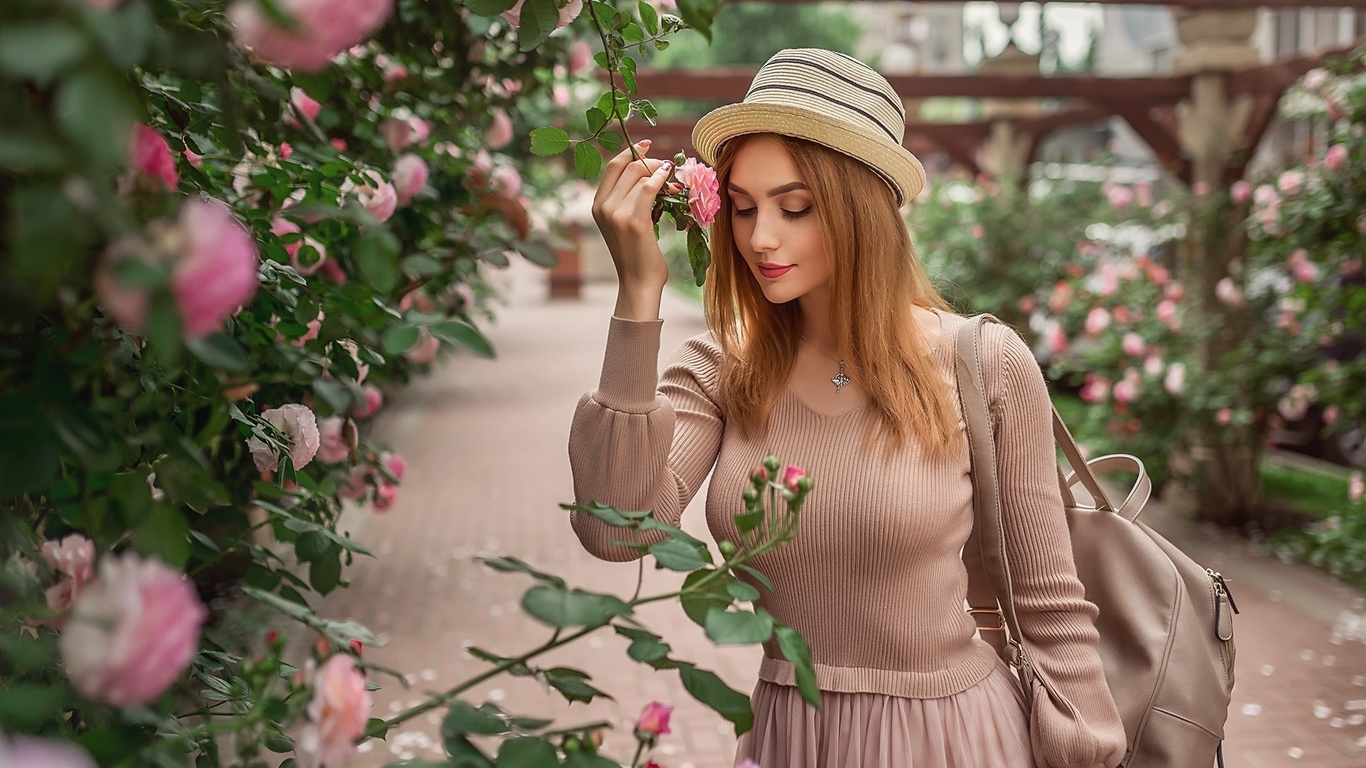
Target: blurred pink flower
pixel 1303 269
pixel 322 29
pixel 1315 79
pixel 1119 196
pixel 1270 219
pixel 304 104
pixel 73 558
pixel 1122 315
pixel 149 158
pixel 1057 339
pixel 580 56
pixel 410 176
pixel 133 632
pixel 1133 345
pixel 1290 182
pixel 386 496
pixel 1175 380
pixel 977 231
pixel 1153 364
pixel 1126 390
pixel 313 327
pixel 337 713
pixel 394 464
pixel 333 446
pixel 568 13
pixel 506 181
pixel 193 158
pixel 22 751
pixel 424 351
pixel 703 190
pixel 376 196
pixel 561 96
pixel 499 133
pixel 353 349
pixel 1027 304
pixel 1295 404
pixel 1200 188
pixel 1094 388
pixel 355 485
pixel 1356 487
pixel 1143 193
pixel 1335 158
pixel 1330 415
pixel 654 720
pixel 298 423
pixel 332 272
pixel 1241 191
pixel 1227 292
pixel 1061 297
pixel 1224 416
pixel 216 273
pixel 374 400
pixel 1097 320
pixel 791 476
pixel 398 134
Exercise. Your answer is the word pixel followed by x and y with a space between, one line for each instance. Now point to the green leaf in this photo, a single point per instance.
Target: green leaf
pixel 749 520
pixel 334 393
pixel 95 109
pixel 757 576
pixel 28 449
pixel 539 18
pixel 585 760
pixel 221 351
pixel 377 728
pixel 164 534
pixel 400 338
pixel 377 255
pixel 537 253
pixel 549 141
pixel 301 525
pixel 611 141
pixel 587 161
pixel 32 705
pixel 463 718
pixel 418 265
pixel 632 34
pixel 795 650
pixel 610 515
pixel 39 50
pixel 651 524
pixel 596 119
pixel 189 482
pixel 339 632
pixel 698 602
pixel 729 703
pixel 324 573
pixel 571 683
pixel 489 7
pixel 738 627
pixel 649 17
pixel 698 255
pixel 514 565
pixel 699 14
pixel 742 591
pixel 677 555
pixel 466 335
pixel 526 752
pixel 559 609
pixel 310 546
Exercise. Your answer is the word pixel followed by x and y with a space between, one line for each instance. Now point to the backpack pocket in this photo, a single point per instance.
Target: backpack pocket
pixel 1172 741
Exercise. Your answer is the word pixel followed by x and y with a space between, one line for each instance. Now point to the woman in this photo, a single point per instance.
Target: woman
pixel 830 348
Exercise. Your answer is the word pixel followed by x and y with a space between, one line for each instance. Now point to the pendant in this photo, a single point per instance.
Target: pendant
pixel 840 380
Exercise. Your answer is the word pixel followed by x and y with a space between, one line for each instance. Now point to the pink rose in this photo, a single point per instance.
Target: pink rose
pixel 149 157
pixel 333 446
pixel 1228 293
pixel 332 272
pixel 29 752
pixel 1270 219
pixel 1095 388
pixel 1315 79
pixel 654 720
pixel 1119 197
pixel 1143 193
pixel 1061 297
pixel 356 484
pixel 1224 416
pixel 569 12
pixel 580 56
pixel 216 273
pixel 374 400
pixel 195 159
pixel 1295 405
pixel 1301 267
pixel 1057 339
pixel 1097 320
pixel 1241 191
pixel 1175 380
pixel 1133 345
pixel 704 197
pixel 133 632
pixel 792 476
pixel 386 495
pixel 1153 364
pixel 1335 158
pixel 410 176
pixel 1027 304
pixel 506 181
pixel 394 464
pixel 311 330
pixel 1330 415
pixel 398 134
pixel 298 423
pixel 362 368
pixel 421 130
pixel 1200 188
pixel 1126 390
pixel 1356 487
pixel 1290 182
pixel 337 713
pixel 424 351
pixel 376 196
pixel 561 96
pixel 499 133
pixel 1122 315
pixel 321 29
pixel 304 104
pixel 73 559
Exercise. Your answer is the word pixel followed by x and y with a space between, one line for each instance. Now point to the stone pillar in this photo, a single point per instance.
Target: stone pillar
pixel 1006 150
pixel 1213 43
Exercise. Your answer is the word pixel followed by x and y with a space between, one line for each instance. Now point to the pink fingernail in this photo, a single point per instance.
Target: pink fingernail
pixel 645 143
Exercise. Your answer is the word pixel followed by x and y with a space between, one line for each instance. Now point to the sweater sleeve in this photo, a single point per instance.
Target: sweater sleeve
pixel 1057 621
pixel 643 440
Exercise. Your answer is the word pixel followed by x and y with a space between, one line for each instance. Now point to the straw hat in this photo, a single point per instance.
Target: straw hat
pixel 825 97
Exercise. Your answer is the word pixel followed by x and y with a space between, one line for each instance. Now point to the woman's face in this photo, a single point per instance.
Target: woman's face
pixel 773 218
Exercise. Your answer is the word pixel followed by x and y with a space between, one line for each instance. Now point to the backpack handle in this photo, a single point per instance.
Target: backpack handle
pixel 1121 462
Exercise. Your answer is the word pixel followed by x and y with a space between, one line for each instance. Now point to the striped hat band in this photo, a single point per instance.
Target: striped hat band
pixel 828 98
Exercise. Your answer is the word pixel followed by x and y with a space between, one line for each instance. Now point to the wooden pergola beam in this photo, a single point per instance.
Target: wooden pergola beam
pixel 730 85
pixel 1277 76
pixel 1160 136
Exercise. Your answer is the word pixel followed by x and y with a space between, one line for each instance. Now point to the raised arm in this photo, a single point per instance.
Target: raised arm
pixel 1050 602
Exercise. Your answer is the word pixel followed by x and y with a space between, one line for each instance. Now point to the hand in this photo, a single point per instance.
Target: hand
pixel 622 209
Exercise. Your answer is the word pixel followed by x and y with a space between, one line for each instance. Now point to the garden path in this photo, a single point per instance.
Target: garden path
pixel 487 466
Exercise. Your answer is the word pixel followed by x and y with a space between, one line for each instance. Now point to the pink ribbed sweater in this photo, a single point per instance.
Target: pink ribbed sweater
pixel 874 581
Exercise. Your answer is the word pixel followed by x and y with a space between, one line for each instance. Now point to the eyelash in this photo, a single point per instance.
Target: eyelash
pixel 742 212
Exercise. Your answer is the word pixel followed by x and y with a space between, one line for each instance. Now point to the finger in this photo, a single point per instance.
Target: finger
pixel 628 180
pixel 641 197
pixel 612 173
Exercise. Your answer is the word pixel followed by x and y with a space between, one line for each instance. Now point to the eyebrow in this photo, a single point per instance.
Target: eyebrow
pixel 784 189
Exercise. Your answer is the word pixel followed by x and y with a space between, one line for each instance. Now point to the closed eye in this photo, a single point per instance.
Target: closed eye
pixel 744 212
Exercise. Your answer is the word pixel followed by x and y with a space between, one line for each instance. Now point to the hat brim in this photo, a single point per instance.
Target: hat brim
pixel 894 163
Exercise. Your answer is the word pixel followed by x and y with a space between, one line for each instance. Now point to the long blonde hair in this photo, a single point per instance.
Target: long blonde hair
pixel 875 279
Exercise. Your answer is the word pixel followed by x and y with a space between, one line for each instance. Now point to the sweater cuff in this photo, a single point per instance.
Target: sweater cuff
pixel 630 366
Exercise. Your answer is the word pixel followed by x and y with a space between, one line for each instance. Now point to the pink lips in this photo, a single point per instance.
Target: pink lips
pixel 772 271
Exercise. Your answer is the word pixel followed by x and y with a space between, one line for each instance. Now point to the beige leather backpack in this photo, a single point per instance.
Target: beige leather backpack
pixel 1165 623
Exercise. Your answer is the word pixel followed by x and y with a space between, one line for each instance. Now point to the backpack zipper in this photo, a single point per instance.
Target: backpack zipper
pixel 1221 591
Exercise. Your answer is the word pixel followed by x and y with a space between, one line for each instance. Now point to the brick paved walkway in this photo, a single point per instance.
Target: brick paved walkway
pixel 485 443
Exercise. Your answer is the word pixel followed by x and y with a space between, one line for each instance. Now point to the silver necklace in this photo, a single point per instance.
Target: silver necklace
pixel 840 380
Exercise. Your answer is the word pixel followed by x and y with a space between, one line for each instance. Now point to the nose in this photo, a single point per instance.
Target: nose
pixel 764 237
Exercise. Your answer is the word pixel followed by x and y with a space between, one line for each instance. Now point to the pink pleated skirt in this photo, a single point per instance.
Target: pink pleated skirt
pixel 985 726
